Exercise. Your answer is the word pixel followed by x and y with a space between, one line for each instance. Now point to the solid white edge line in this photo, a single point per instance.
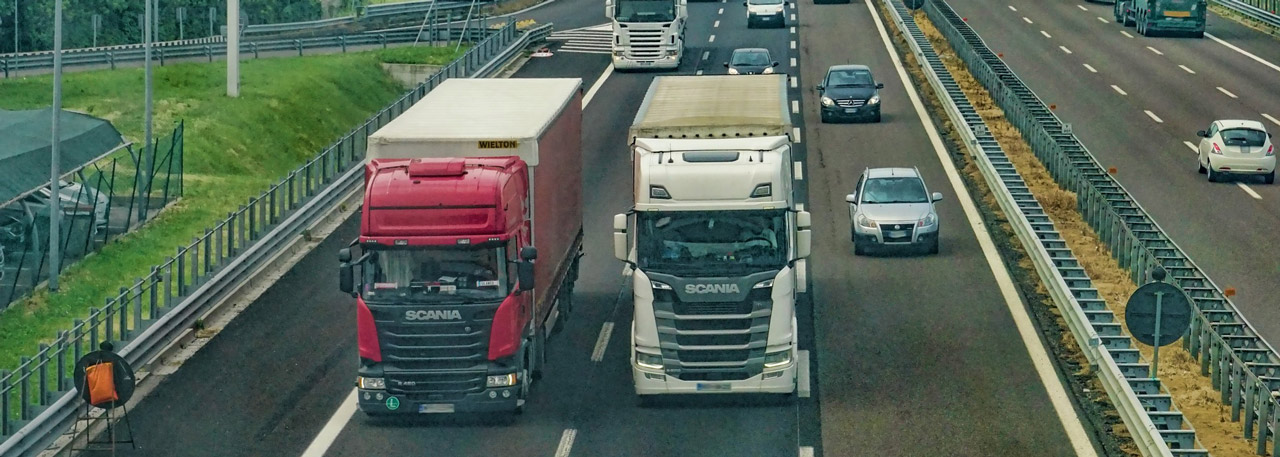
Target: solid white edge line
pixel 1026 330
pixel 591 93
pixel 1192 146
pixel 1157 51
pixel 1153 116
pixel 1188 70
pixel 1064 49
pixel 1226 92
pixel 1046 34
pixel 1270 118
pixel 331 429
pixel 566 442
pixel 1090 68
pixel 1119 90
pixel 602 342
pixel 1249 191
pixel 798 169
pixel 1243 52
pixel 804 385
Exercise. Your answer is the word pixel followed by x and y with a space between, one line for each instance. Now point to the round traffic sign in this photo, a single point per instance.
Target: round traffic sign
pixel 1175 313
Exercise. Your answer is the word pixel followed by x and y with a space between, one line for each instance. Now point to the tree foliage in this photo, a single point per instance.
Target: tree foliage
pixel 122 20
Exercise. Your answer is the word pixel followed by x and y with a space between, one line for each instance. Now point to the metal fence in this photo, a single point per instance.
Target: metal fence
pixel 36 400
pixel 1243 367
pixel 100 201
pixel 1263 11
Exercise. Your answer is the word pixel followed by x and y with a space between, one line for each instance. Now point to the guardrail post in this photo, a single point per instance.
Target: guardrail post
pixel 5 63
pixel 129 300
pixel 93 330
pixel 24 388
pixel 207 239
pixel 298 44
pixel 153 297
pixel 208 52
pixel 382 38
pixel 42 359
pixel 61 360
pixel 4 402
pixel 342 40
pixel 253 219
pixel 240 230
pixel 1250 402
pixel 111 58
pixel 168 284
pixel 161 50
pixel 254 47
pixel 77 335
pixel 181 277
pixel 1266 411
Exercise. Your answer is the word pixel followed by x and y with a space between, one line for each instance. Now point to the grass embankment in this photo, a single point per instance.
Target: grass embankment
pixel 288 110
pixel 1179 372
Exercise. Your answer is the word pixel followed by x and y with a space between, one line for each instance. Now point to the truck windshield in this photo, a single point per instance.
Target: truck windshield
pixel 438 273
pixel 645 10
pixel 712 242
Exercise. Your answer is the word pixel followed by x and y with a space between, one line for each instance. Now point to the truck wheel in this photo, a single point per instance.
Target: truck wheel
pixel 524 389
pixel 1198 34
pixel 540 354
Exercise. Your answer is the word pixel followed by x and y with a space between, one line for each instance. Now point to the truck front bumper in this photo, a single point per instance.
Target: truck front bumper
pixel 629 63
pixel 653 382
pixel 493 400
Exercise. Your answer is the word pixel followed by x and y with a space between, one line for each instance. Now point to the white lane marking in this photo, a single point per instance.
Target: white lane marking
pixel 793 30
pixel 793 81
pixel 798 170
pixel 566 442
pixel 591 93
pixel 1090 68
pixel 1119 90
pixel 793 44
pixel 796 131
pixel 799 206
pixel 1227 92
pixel 804 387
pixel 1011 8
pixel 712 39
pixel 698 73
pixel 807 451
pixel 1028 20
pixel 717 24
pixel 602 342
pixel 721 11
pixel 706 55
pixel 1046 34
pixel 1071 423
pixel 1102 19
pixel 1243 52
pixel 1157 51
pixel 1064 49
pixel 1153 116
pixel 1272 119
pixel 793 61
pixel 795 108
pixel 1082 8
pixel 1122 32
pixel 331 429
pixel 1192 146
pixel 1249 191
pixel 793 17
pixel 1188 70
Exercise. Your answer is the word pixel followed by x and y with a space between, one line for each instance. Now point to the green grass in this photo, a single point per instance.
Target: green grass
pixel 419 54
pixel 288 110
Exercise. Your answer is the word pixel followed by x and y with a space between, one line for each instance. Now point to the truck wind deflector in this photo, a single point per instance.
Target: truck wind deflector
pixel 711 156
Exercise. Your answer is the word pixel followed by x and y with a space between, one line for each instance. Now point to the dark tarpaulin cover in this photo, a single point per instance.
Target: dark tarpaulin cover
pixel 25 147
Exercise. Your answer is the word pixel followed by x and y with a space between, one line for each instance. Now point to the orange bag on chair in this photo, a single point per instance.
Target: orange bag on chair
pixel 102 383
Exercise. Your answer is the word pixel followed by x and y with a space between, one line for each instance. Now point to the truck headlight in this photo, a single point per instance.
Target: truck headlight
pixel 617 53
pixel 371 383
pixel 660 285
pixel 763 284
pixel 827 101
pixel 502 380
pixel 650 361
pixel 672 52
pixel 875 99
pixel 733 71
pixel 865 222
pixel 777 359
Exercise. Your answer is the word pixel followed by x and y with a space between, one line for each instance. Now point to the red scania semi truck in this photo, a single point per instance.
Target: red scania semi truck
pixel 463 192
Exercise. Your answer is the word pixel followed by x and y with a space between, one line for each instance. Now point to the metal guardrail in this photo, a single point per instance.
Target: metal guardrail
pixel 65 52
pixel 1144 406
pixel 296 26
pixel 1263 11
pixel 1243 367
pixel 37 402
pixel 418 8
pixel 209 51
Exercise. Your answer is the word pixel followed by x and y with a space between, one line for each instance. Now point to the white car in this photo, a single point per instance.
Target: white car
pixel 1236 147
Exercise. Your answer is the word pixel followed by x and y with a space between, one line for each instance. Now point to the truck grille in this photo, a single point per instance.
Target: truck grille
pixel 714 341
pixel 434 360
pixel 645 44
pixel 850 103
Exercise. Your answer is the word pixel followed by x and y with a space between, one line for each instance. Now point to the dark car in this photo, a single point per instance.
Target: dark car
pixel 849 92
pixel 750 61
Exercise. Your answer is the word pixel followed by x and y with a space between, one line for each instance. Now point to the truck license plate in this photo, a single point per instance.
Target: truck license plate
pixel 645 62
pixel 713 386
pixel 850 110
pixel 435 408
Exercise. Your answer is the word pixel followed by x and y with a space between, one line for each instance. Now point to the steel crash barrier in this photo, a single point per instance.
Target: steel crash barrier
pixel 1264 11
pixel 1243 367
pixel 37 403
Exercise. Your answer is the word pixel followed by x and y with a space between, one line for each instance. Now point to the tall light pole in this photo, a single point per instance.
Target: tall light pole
pixel 233 48
pixel 55 187
pixel 144 186
pixel 15 26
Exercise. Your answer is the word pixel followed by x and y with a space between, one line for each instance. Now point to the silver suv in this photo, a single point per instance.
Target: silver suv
pixel 892 207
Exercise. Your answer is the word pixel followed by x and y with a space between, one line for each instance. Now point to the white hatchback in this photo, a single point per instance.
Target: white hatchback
pixel 1236 147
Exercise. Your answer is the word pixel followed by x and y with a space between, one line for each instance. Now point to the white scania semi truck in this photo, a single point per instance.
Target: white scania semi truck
pixel 647 33
pixel 715 243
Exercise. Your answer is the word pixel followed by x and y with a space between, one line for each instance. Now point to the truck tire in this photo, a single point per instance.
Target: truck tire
pixel 539 354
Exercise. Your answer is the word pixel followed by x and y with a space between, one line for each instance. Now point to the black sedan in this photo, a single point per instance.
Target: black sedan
pixel 750 61
pixel 850 92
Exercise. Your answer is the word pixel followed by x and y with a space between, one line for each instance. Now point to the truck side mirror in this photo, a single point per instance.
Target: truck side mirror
pixel 344 255
pixel 937 196
pixel 620 237
pixel 528 253
pixel 608 9
pixel 524 274
pixel 346 278
pixel 804 236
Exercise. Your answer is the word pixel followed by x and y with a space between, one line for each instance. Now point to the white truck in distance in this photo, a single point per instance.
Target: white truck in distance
pixel 714 241
pixel 647 33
